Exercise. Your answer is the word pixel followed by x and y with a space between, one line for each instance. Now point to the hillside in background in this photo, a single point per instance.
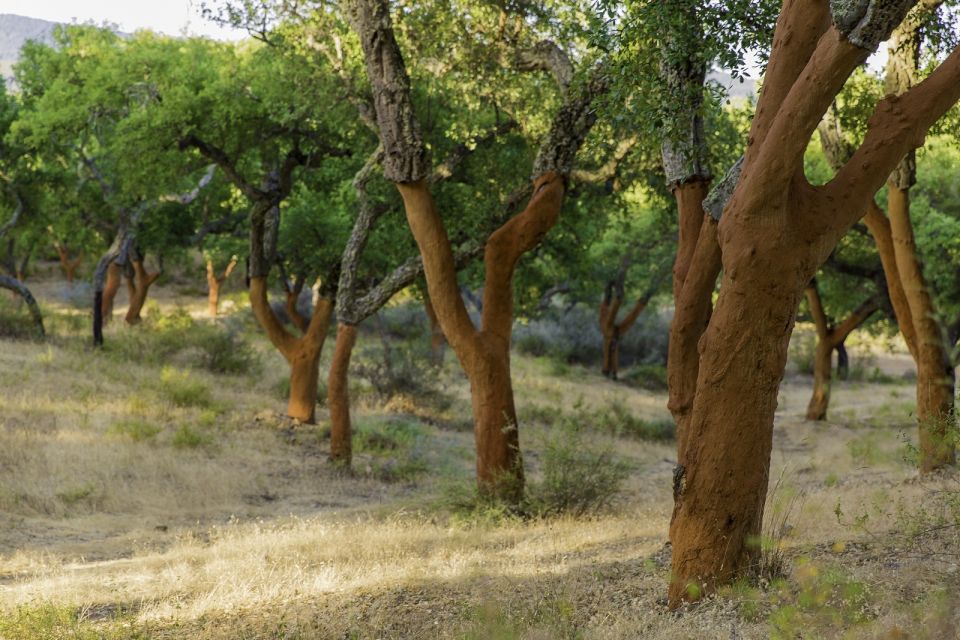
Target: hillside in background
pixel 15 31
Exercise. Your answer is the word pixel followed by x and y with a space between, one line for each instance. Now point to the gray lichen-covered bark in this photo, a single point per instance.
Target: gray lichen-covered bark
pixel 12 284
pixel 405 156
pixel 546 55
pixel 867 23
pixel 570 126
pixel 720 195
pixel 684 71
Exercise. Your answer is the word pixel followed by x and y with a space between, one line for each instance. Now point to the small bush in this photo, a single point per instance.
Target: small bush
pixel 182 390
pixel 617 420
pixel 136 430
pixel 15 320
pixel 402 368
pixel 187 437
pixel 652 377
pixel 573 336
pixel 579 475
pixel 177 337
pixel 396 448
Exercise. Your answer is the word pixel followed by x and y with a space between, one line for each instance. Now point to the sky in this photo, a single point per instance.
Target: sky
pixel 166 16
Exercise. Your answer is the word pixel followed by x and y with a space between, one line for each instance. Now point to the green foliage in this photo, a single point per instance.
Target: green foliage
pixel 397 449
pixel 180 388
pixel 136 430
pixel 190 437
pixel 580 473
pixel 49 621
pixel 573 336
pixel 176 337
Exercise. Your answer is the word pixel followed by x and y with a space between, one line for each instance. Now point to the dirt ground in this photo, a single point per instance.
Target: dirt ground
pixel 129 512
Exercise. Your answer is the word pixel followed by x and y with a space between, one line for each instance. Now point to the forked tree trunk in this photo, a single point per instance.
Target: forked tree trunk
pixel 485 354
pixel 302 354
pixel 68 265
pixel 777 229
pixel 214 283
pixel 828 339
pixel 110 289
pixel 614 331
pixel 935 373
pixel 338 396
pixel 139 286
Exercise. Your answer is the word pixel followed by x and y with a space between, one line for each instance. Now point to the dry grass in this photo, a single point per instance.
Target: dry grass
pixel 109 528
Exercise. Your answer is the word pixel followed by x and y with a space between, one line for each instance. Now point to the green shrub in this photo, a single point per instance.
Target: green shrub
pixel 177 337
pixel 652 377
pixel 187 437
pixel 616 419
pixel 136 430
pixel 400 368
pixel 573 336
pixel 579 474
pixel 183 390
pixel 396 447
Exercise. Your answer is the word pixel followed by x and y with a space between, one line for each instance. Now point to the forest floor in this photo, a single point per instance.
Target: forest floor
pixel 144 496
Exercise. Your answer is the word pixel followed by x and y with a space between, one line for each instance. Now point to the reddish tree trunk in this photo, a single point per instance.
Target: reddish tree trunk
pixel 828 339
pixel 776 230
pixel 68 265
pixel 935 374
pixel 214 283
pixel 484 354
pixel 438 342
pixel 110 288
pixel 614 331
pixel 139 286
pixel 338 396
pixel 691 314
pixel 302 354
pixel 721 481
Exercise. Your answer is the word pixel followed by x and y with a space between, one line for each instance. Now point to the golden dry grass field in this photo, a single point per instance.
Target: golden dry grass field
pixel 144 496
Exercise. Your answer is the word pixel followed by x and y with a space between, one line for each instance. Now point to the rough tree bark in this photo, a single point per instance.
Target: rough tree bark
pixel 215 282
pixel 484 353
pixel 829 337
pixel 776 230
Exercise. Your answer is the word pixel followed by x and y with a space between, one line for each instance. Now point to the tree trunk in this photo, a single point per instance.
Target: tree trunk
pixel 214 283
pixel 609 308
pixel 843 362
pixel 438 342
pixel 68 265
pixel 499 463
pixel 338 396
pixel 302 354
pixel 822 367
pixel 935 374
pixel 484 354
pixel 139 286
pixel 691 314
pixel 110 288
pixel 720 484
pixel 21 291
